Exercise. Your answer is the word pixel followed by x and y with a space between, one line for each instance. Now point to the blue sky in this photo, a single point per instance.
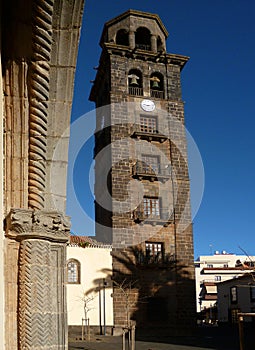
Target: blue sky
pixel 218 90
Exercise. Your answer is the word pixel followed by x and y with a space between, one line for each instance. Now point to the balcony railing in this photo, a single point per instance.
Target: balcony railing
pixel 164 216
pixel 155 172
pixel 153 135
pixel 157 94
pixel 135 91
pixel 143 47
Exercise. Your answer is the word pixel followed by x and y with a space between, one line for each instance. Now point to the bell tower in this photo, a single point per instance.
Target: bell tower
pixel 142 188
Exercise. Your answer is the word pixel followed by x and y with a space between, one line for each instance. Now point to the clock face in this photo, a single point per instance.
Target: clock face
pixel 148 105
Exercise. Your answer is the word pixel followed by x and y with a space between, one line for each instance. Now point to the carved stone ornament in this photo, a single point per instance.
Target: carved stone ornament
pixel 27 223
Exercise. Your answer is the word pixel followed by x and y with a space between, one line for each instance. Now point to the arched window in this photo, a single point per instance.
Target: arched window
pixel 73 271
pixel 122 37
pixel 157 85
pixel 135 82
pixel 160 47
pixel 143 39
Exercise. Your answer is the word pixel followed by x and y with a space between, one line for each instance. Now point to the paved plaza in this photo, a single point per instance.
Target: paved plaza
pixel 205 339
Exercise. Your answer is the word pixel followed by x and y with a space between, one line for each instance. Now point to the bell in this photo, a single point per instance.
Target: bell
pixel 155 82
pixel 134 79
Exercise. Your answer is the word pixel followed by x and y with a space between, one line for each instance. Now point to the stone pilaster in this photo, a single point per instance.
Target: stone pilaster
pixel 41 307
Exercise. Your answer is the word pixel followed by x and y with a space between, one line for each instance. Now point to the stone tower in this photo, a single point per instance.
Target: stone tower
pixel 142 187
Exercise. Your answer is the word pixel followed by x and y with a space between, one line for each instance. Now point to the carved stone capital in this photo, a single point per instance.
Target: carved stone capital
pixel 26 223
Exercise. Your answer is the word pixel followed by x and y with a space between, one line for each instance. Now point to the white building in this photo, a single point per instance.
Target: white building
pixel 211 269
pixel 89 269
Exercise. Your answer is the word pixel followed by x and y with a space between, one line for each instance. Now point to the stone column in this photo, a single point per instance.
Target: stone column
pixel 41 277
pixel 153 43
pixel 131 39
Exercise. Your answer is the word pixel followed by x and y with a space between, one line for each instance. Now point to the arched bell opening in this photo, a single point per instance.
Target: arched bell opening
pixel 143 39
pixel 157 85
pixel 122 37
pixel 135 82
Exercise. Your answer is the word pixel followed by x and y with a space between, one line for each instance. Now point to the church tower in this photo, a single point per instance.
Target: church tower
pixel 142 188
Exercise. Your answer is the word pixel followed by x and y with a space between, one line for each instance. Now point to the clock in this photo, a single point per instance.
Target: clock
pixel 148 105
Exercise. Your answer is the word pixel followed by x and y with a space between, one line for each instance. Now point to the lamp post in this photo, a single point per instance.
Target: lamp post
pixel 104 285
pixel 100 309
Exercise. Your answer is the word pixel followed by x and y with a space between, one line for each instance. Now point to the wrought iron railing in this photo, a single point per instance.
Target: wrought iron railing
pixel 141 168
pixel 143 47
pixel 163 215
pixel 136 91
pixel 157 94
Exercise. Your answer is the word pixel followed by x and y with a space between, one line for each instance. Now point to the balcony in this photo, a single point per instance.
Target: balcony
pixel 164 217
pixel 157 94
pixel 159 172
pixel 135 91
pixel 137 131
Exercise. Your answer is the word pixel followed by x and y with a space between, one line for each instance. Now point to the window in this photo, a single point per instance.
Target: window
pixel 151 207
pixel 210 266
pixel 148 124
pixel 150 164
pixel 225 265
pixel 252 293
pixel 153 249
pixel 233 295
pixel 73 271
pixel 217 278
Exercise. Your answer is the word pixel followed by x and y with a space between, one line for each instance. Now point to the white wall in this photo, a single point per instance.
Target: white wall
pixel 2 216
pixel 96 264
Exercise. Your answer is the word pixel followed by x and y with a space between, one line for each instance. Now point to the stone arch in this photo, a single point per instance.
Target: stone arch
pixel 143 38
pixel 122 37
pixel 157 85
pixel 135 82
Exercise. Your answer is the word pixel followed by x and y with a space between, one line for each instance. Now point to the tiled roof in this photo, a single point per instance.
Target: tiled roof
pixel 85 241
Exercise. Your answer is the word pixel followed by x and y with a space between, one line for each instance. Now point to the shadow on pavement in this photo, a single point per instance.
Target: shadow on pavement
pixel 206 338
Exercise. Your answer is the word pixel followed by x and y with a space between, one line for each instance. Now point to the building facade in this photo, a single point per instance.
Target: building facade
pixel 213 269
pixel 234 296
pixel 141 173
pixel 89 287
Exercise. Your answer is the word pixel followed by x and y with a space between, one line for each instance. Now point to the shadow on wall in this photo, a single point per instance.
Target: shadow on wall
pixel 145 289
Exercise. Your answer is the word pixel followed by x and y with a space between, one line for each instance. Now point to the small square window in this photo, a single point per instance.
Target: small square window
pixel 148 124
pixel 153 248
pixel 217 278
pixel 210 266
